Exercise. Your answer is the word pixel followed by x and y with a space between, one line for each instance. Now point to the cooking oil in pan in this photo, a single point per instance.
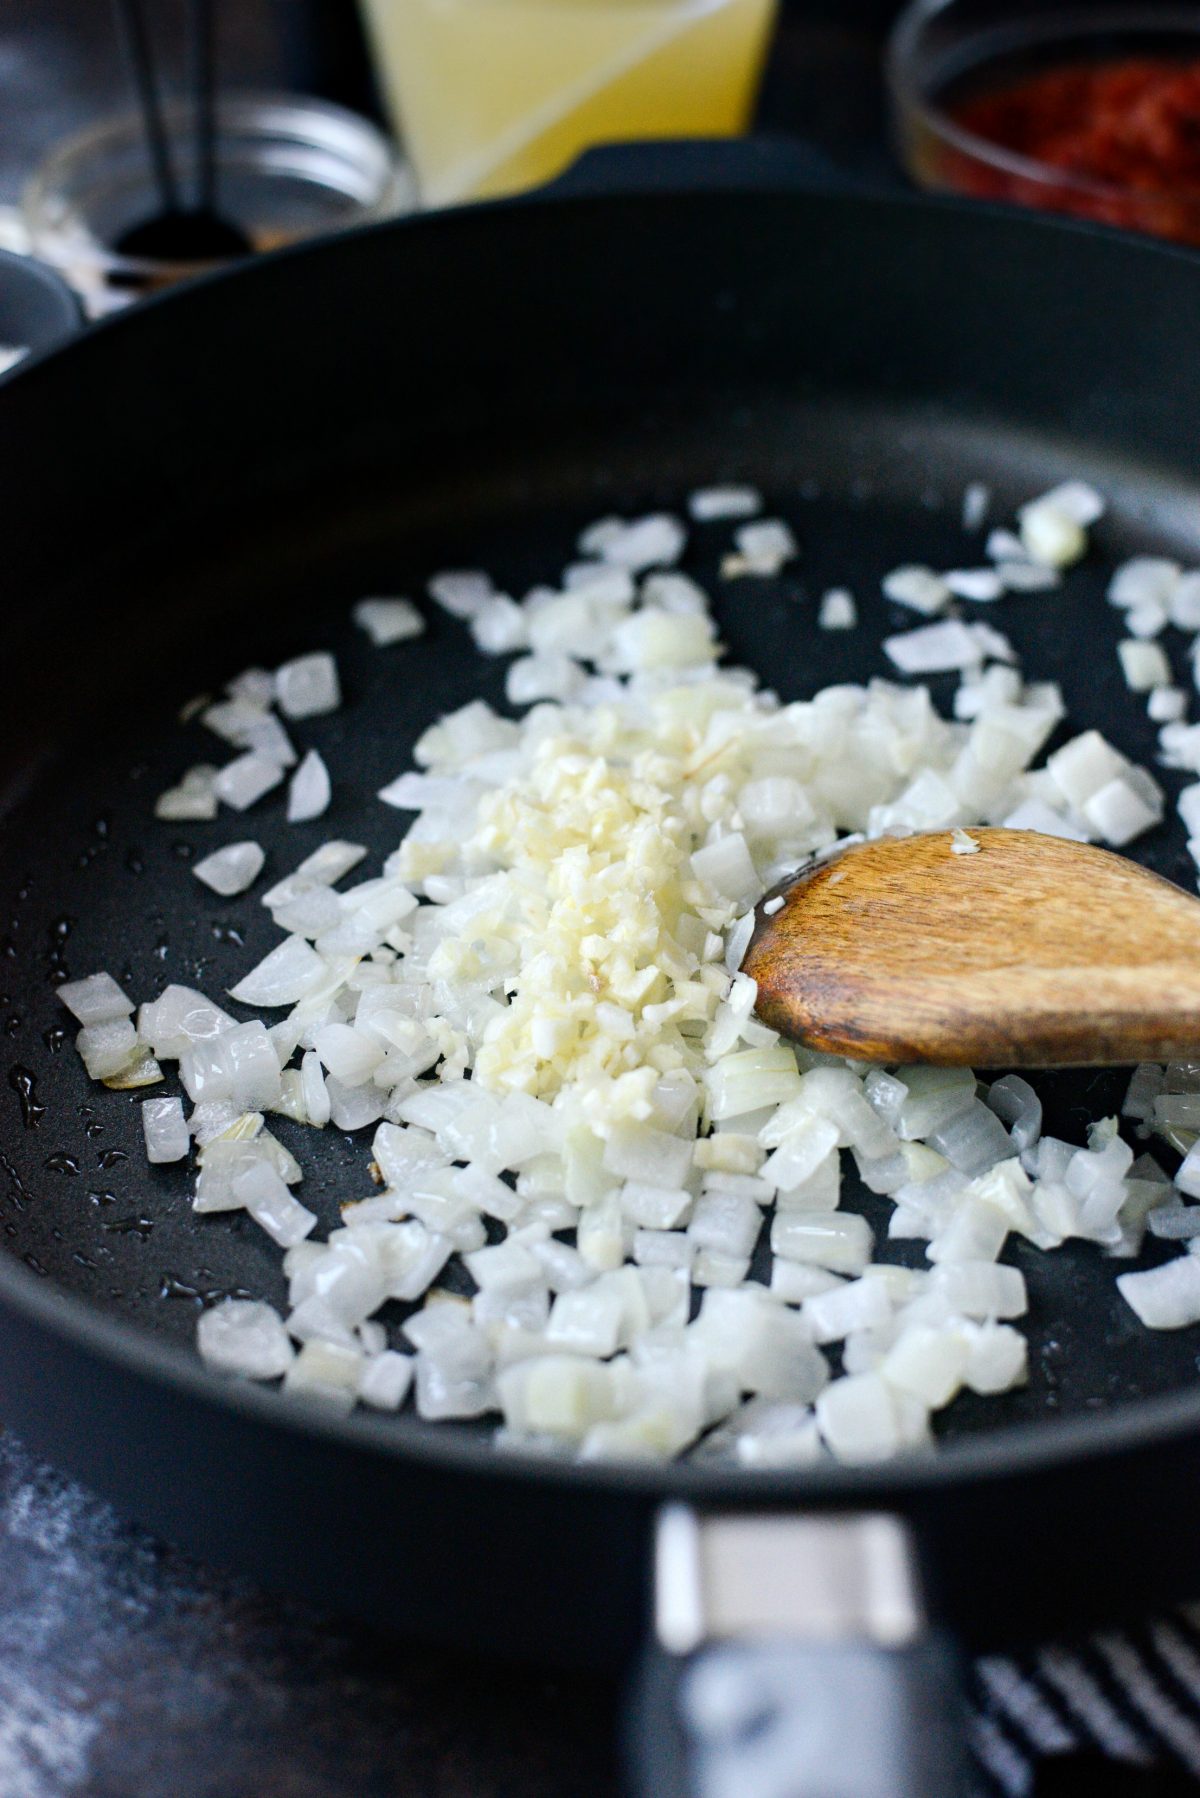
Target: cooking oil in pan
pixel 24 1083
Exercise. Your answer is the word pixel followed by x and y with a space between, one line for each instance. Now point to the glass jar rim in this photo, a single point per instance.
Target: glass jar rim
pixel 241 114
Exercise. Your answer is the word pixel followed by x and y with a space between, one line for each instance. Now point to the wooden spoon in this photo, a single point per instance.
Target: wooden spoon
pixel 1032 952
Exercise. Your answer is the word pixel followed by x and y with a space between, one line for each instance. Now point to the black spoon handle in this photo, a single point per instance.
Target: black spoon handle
pixel 201 28
pixel 136 42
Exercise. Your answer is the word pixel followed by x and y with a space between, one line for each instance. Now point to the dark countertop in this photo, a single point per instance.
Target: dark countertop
pixel 128 1670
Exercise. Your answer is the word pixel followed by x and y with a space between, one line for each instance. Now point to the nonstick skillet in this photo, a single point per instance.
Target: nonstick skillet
pixel 211 482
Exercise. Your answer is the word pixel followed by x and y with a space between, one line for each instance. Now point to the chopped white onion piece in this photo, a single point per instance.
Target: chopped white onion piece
pixel 325 1373
pixel 1075 500
pixel 1028 577
pixel 838 611
pixel 461 592
pixel 1146 621
pixel 348 1054
pixel 243 781
pixel 193 800
pixel 981 1289
pixel 107 1049
pixel 1144 665
pixel 1004 546
pixel 857 1305
pixel 936 648
pixel 977 499
pixel 1166 1297
pixel 997 1358
pixel 983 584
pixel 725 1224
pixel 652 542
pixel 1121 811
pixel 1035 814
pixel 285 975
pixel 167 1135
pixel 308 686
pixel 179 1017
pixel 972 1140
pixel 1187 1178
pixel 323 868
pixel 1049 533
pixel 542 677
pixel 1167 705
pixel 930 1364
pixel 385 1380
pixel 728 868
pixel 863 1419
pixel 265 1196
pixel 388 621
pixel 231 870
pixel 765 546
pixel 241 1336
pixel 268 739
pixel 1016 1103
pixel 1085 765
pixel 710 503
pixel 918 588
pixel 310 790
pixel 500 627
pixel 1145 580
pixel 95 1000
pixel 839 1241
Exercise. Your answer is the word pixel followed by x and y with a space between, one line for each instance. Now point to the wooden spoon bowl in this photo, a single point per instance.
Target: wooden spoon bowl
pixel 1031 952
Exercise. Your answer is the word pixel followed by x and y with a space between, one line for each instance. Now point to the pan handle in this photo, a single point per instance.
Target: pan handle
pixel 791 1660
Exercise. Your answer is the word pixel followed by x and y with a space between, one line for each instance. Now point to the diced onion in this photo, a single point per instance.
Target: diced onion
pixel 916 587
pixel 231 870
pixel 245 780
pixel 710 503
pixel 388 621
pixel 536 1006
pixel 1166 1297
pixel 242 1336
pixel 166 1133
pixel 96 1000
pixel 283 976
pixel 308 686
pixel 310 790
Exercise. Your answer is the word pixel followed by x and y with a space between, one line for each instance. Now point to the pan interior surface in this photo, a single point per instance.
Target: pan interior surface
pixel 98 673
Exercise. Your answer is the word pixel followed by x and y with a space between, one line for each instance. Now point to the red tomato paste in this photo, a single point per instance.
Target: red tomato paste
pixel 1130 126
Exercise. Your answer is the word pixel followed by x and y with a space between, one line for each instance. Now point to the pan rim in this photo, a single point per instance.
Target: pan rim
pixel 997 1454
pixel 1000 1453
pixel 771 184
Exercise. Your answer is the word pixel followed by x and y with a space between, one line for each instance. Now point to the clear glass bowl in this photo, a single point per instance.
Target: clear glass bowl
pixel 944 52
pixel 288 167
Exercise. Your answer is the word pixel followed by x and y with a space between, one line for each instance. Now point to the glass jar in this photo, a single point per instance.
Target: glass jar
pixel 954 63
pixel 495 96
pixel 287 167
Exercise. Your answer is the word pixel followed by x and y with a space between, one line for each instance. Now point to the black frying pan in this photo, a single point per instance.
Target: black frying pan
pixel 213 481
